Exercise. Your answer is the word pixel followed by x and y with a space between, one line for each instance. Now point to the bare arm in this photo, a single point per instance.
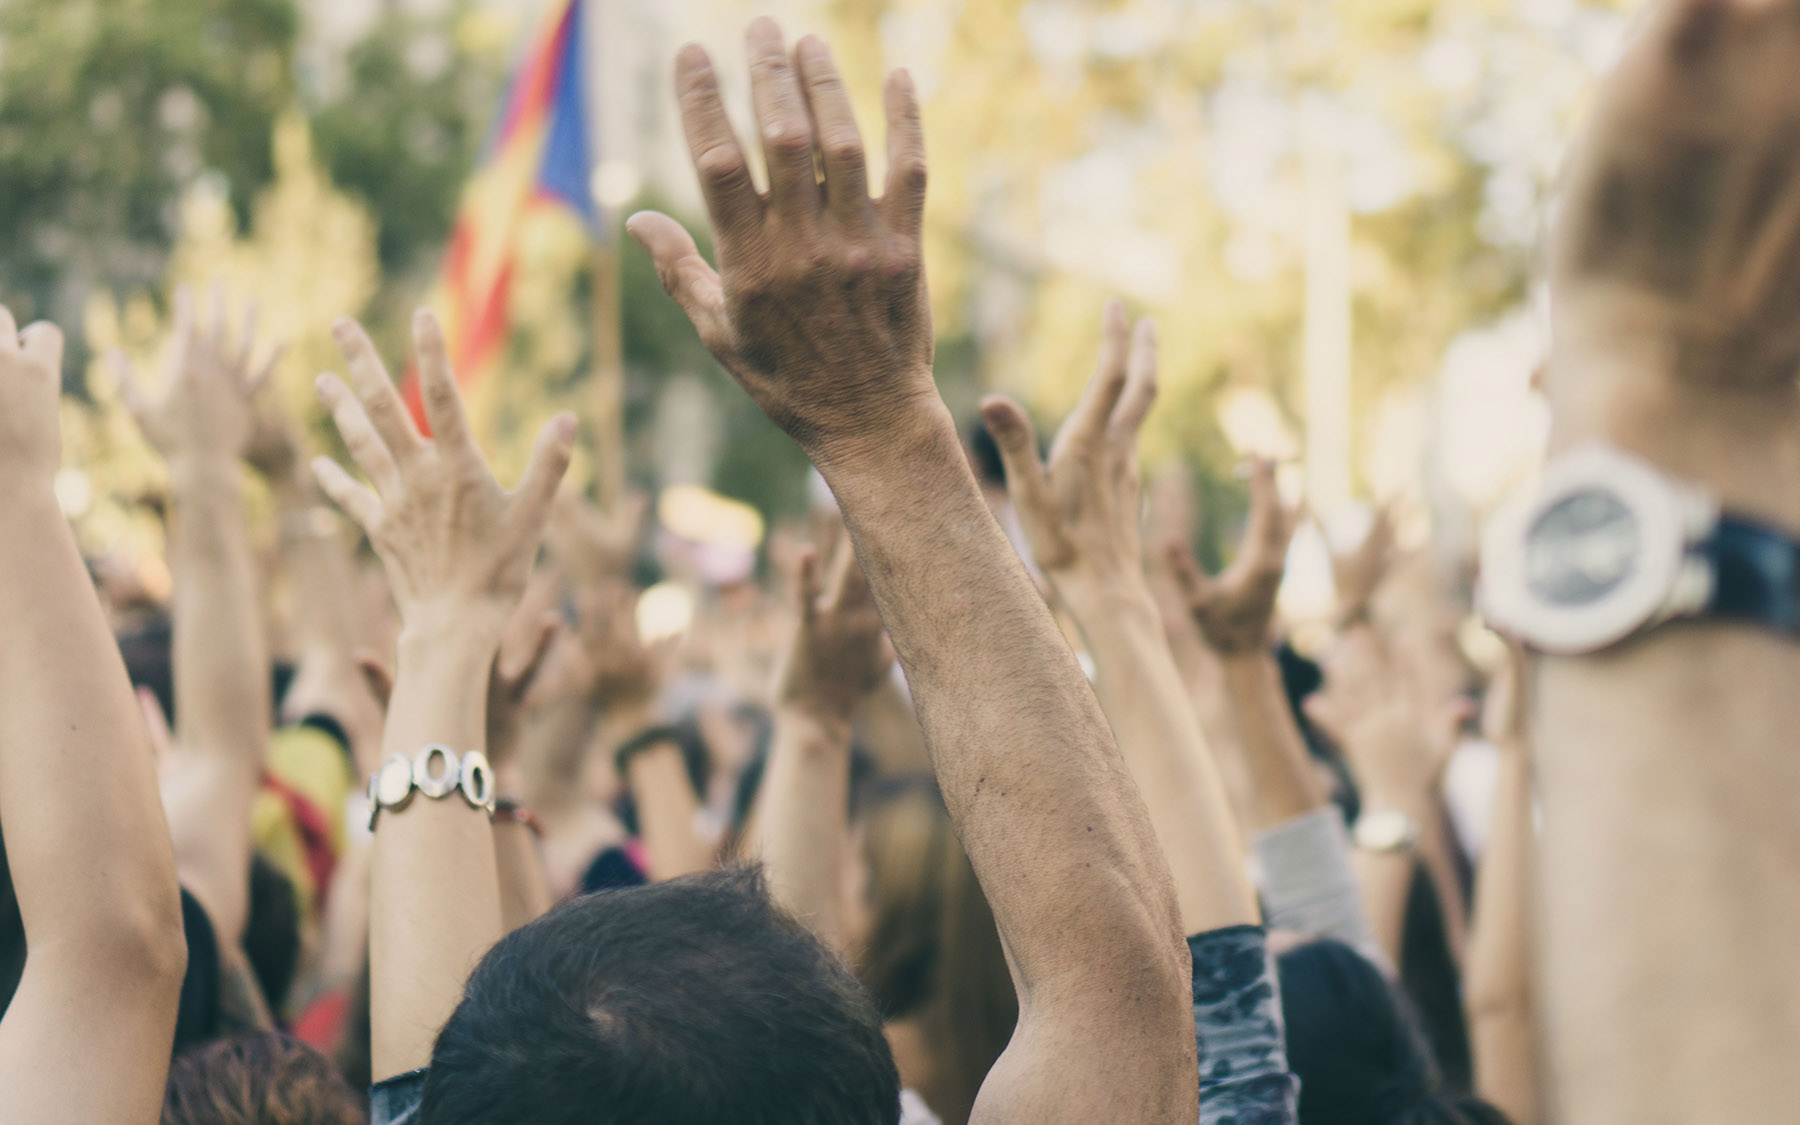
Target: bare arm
pixel 838 655
pixel 87 1035
pixel 202 424
pixel 1497 988
pixel 457 550
pixel 821 316
pixel 1666 764
pixel 1081 514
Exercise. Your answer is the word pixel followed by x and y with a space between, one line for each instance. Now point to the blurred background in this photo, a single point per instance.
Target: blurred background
pixel 1332 206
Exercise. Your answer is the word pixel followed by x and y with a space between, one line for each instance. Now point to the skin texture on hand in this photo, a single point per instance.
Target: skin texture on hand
pixel 818 309
pixel 1080 514
pixel 1666 765
pixel 457 549
pixel 820 314
pixel 87 1035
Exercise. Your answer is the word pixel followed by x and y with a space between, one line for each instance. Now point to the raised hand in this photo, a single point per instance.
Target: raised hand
pixel 1234 610
pixel 594 544
pixel 818 308
pixel 1358 572
pixel 840 652
pixel 30 398
pixel 456 546
pixel 1080 511
pixel 206 403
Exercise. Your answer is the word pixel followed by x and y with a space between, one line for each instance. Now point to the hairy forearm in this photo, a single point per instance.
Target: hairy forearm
pixel 436 894
pixel 1159 736
pixel 803 819
pixel 1666 771
pixel 1029 772
pixel 1283 782
pixel 1497 990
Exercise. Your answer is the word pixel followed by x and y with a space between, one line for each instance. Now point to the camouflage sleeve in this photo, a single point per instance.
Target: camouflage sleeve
pixel 1244 1078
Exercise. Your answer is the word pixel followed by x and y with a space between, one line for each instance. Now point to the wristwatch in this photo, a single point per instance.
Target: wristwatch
pixel 1385 830
pixel 435 771
pixel 1608 546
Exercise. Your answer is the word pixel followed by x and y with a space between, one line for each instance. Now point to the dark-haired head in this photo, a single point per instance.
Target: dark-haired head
pixel 263 1078
pixel 1356 1047
pixel 695 1000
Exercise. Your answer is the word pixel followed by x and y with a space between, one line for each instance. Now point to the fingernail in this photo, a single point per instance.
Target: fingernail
pixel 341 329
pixel 565 425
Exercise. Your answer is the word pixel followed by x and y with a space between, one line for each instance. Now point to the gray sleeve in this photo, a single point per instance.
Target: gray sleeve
pixel 1244 1078
pixel 1309 882
pixel 395 1101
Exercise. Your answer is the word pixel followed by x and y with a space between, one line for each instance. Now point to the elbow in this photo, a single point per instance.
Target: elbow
pixel 142 941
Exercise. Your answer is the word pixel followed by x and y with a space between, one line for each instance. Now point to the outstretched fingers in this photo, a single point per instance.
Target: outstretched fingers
pixel 731 197
pixel 549 461
pixel 840 141
pixel 357 501
pixel 43 343
pixel 787 133
pixel 903 199
pixel 686 276
pixel 366 447
pixel 382 402
pixel 1094 411
pixel 437 384
pixel 1017 442
pixel 1269 527
pixel 1139 392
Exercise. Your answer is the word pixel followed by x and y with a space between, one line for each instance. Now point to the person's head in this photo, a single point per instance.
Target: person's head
pixel 930 951
pixel 264 1078
pixel 272 931
pixel 695 1000
pixel 1356 1047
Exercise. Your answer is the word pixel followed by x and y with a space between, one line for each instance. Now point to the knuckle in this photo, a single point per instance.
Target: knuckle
pixel 843 149
pixel 910 172
pixel 721 163
pixel 788 139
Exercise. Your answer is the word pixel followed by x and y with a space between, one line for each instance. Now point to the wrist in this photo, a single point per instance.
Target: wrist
pixel 206 471
pixel 822 721
pixel 447 638
pixel 919 428
pixel 1093 591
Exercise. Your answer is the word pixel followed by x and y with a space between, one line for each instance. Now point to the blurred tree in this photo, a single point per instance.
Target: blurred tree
pixel 109 111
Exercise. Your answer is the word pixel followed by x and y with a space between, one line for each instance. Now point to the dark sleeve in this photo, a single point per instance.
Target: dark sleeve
pixel 395 1101
pixel 1244 1077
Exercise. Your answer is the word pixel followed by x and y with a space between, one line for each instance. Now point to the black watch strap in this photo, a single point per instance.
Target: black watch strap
pixel 1756 574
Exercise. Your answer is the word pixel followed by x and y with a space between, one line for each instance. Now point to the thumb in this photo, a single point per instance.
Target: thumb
pixel 549 460
pixel 683 272
pixel 1017 441
pixel 1196 585
pixel 43 342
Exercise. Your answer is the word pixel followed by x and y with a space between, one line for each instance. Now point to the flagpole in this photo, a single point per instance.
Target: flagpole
pixel 609 378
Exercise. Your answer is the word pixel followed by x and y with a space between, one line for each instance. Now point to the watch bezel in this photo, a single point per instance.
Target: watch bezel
pixel 1670 520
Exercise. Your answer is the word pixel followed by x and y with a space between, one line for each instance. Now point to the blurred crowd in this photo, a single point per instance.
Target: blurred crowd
pixel 973 796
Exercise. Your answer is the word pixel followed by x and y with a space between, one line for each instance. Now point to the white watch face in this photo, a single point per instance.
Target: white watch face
pixel 1582 548
pixel 1599 551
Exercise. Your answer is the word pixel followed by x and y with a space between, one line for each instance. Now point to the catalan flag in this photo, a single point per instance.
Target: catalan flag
pixel 540 153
